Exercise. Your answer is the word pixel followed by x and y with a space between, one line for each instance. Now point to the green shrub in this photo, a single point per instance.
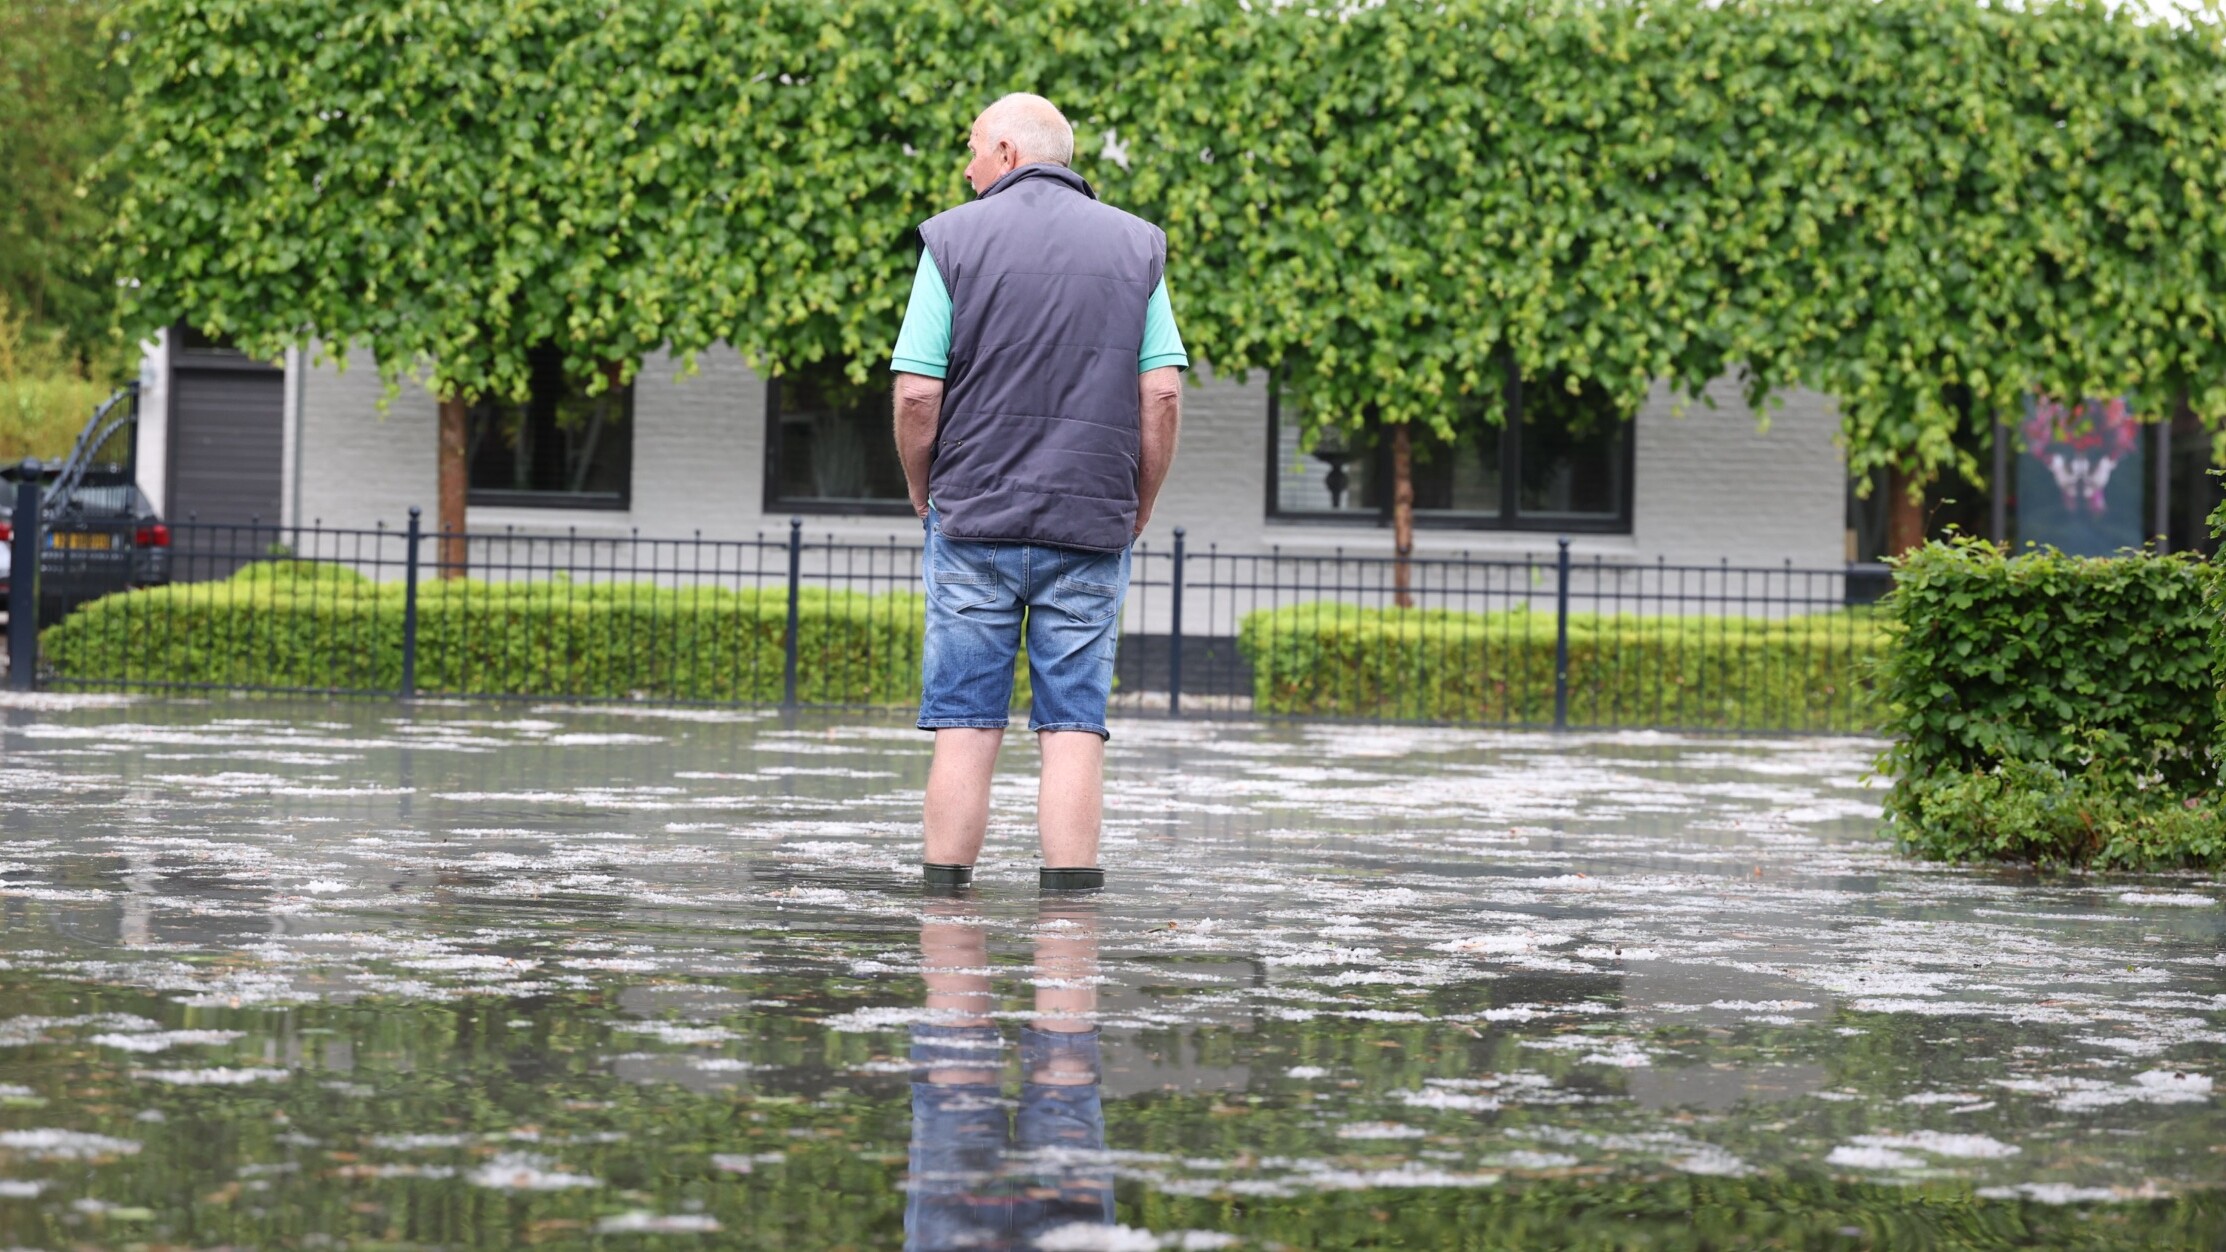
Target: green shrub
pixel 293 571
pixel 2216 594
pixel 1332 659
pixel 320 626
pixel 2028 811
pixel 45 397
pixel 2054 708
pixel 256 629
pixel 652 642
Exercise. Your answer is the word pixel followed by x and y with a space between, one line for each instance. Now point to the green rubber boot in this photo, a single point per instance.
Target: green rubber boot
pixel 946 878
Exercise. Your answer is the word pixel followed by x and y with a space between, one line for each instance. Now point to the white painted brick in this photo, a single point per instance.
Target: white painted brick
pixel 1708 484
pixel 361 466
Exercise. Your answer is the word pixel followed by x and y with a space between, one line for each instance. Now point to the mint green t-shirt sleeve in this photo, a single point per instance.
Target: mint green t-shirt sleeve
pixel 1163 345
pixel 924 341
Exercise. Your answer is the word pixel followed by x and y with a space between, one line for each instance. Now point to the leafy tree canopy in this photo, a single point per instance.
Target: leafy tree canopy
pixel 1902 203
pixel 59 111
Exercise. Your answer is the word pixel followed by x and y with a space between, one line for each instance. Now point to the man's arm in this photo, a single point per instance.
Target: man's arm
pixel 1161 391
pixel 921 358
pixel 919 407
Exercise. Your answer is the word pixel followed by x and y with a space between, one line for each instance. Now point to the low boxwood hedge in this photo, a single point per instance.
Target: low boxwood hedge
pixel 291 624
pixel 1326 658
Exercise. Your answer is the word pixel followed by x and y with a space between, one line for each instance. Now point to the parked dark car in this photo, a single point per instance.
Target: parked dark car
pixel 99 534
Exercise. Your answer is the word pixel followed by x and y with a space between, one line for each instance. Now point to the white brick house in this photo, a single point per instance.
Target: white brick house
pixel 1704 484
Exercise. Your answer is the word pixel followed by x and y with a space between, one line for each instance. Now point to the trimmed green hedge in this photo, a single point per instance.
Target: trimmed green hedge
pixel 308 625
pixel 2054 708
pixel 1796 673
pixel 2025 811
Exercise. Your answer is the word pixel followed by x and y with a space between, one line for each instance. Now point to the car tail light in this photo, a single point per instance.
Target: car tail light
pixel 155 536
pixel 7 532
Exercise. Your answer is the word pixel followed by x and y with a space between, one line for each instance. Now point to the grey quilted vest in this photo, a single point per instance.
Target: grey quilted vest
pixel 1040 430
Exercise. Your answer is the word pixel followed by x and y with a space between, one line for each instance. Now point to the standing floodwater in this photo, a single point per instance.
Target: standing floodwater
pixel 313 975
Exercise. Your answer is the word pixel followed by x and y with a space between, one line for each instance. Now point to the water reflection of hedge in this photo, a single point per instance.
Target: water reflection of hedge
pixel 1680 1212
pixel 386 1067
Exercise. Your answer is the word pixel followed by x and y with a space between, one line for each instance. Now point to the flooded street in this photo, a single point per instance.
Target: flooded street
pixel 349 974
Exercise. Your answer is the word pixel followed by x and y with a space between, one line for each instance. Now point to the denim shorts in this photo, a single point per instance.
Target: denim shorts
pixel 984 597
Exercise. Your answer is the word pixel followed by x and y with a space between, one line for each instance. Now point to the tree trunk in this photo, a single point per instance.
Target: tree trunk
pixel 454 476
pixel 1905 513
pixel 1402 514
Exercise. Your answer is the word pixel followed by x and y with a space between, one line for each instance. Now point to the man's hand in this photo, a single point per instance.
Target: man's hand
pixel 919 413
pixel 1160 392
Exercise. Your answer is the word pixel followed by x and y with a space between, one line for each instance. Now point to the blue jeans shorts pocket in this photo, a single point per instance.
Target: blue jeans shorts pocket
pixel 959 590
pixel 1088 602
pixel 956 581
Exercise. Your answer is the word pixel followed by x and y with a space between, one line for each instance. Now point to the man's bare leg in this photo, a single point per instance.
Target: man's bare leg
pixel 957 811
pixel 1070 797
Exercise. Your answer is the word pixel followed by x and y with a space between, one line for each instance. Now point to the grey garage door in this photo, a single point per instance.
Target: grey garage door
pixel 226 445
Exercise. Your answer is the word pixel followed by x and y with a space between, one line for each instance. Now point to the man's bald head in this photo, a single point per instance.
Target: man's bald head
pixel 1033 126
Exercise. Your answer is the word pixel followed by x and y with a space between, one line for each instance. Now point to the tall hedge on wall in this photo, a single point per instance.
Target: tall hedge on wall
pixel 2055 708
pixel 1922 207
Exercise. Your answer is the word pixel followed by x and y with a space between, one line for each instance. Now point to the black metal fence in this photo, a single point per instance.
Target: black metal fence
pixel 796 620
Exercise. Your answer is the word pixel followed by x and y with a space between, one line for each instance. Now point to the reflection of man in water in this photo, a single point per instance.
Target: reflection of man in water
pixel 977 1180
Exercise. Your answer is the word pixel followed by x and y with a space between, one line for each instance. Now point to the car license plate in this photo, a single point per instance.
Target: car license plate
pixel 84 540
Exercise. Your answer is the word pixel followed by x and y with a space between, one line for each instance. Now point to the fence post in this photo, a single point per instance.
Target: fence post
pixel 795 582
pixel 23 580
pixel 1175 633
pixel 1561 637
pixel 409 604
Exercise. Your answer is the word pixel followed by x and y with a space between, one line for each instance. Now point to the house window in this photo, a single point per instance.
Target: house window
pixel 559 448
pixel 1563 463
pixel 830 446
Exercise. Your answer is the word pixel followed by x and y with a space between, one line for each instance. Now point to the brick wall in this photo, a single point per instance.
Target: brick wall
pixel 1708 484
pixel 359 466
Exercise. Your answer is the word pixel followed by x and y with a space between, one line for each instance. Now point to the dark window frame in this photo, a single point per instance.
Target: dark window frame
pixel 819 506
pixel 1509 516
pixel 587 501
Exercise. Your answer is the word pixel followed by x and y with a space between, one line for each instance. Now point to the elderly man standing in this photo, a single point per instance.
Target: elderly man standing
pixel 1038 394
